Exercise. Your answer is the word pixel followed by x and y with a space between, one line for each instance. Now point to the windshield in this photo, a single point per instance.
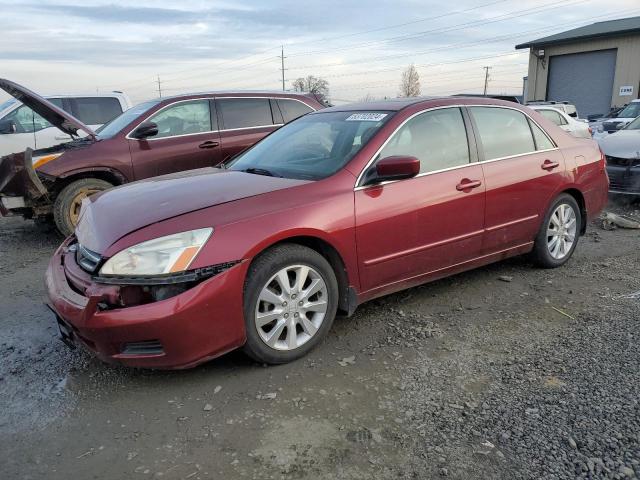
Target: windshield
pixel 313 147
pixel 630 111
pixel 114 127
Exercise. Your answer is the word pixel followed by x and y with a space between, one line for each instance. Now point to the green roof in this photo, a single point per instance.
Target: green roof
pixel 610 28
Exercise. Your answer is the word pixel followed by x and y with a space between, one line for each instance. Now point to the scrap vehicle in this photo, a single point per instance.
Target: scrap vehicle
pixel 622 150
pixel 336 208
pixel 153 138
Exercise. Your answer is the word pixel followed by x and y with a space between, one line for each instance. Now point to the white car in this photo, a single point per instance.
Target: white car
pixel 22 128
pixel 624 118
pixel 568 124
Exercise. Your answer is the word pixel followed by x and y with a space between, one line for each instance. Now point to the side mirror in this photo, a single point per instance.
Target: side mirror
pixel 393 168
pixel 146 130
pixel 8 126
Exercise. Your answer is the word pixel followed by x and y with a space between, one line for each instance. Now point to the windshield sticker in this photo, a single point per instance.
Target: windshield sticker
pixel 366 117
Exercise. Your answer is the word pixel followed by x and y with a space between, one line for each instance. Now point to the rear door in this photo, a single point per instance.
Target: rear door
pixel 413 227
pixel 244 121
pixel 187 138
pixel 522 169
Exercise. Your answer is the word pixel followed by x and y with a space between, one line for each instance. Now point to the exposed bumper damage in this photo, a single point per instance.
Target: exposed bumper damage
pixel 126 324
pixel 22 191
pixel 624 175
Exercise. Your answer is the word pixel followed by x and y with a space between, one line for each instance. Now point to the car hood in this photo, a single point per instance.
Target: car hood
pixel 622 144
pixel 108 216
pixel 54 115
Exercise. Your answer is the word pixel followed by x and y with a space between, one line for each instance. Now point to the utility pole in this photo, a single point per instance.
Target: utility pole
pixel 159 87
pixel 486 79
pixel 282 57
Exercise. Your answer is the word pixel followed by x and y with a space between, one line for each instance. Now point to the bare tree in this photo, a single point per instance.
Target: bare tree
pixel 316 85
pixel 410 85
pixel 367 98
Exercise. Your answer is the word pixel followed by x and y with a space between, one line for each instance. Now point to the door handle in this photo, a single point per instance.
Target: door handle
pixel 549 165
pixel 208 144
pixel 466 184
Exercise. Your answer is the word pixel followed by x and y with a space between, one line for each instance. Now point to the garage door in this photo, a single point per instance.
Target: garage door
pixel 584 79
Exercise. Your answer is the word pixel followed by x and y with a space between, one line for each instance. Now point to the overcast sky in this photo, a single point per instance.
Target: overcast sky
pixel 359 47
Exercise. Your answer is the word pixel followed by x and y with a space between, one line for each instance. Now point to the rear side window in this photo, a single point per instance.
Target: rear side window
pixel 95 110
pixel 244 112
pixel 437 138
pixel 292 109
pixel 542 141
pixel 183 118
pixel 554 116
pixel 503 132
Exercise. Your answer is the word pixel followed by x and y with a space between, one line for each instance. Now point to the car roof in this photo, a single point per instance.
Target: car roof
pixel 240 93
pixel 398 104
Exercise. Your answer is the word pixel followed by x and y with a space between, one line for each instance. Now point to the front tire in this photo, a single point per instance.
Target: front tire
pixel 66 208
pixel 290 302
pixel 559 233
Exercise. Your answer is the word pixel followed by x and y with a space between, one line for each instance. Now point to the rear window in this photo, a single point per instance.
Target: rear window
pixel 554 116
pixel 292 109
pixel 503 132
pixel 244 112
pixel 95 110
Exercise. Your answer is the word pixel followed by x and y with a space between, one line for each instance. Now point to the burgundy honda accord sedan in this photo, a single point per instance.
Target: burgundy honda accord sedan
pixel 336 208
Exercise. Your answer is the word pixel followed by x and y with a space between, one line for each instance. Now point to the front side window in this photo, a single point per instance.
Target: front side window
pixel 95 110
pixel 23 120
pixel 292 109
pixel 184 118
pixel 244 112
pixel 312 147
pixel 554 116
pixel 437 138
pixel 503 132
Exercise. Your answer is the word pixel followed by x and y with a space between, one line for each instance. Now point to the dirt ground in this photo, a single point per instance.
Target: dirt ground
pixel 508 372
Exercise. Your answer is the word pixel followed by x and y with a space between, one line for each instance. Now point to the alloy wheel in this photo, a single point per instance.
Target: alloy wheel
pixel 291 307
pixel 561 231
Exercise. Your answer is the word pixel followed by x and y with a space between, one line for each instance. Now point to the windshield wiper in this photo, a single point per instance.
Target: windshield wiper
pixel 260 171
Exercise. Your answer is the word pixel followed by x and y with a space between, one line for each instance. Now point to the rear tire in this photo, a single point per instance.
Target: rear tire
pixel 559 233
pixel 66 208
pixel 290 302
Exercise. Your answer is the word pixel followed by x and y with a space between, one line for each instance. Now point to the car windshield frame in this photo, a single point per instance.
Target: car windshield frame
pixel 118 124
pixel 629 110
pixel 314 146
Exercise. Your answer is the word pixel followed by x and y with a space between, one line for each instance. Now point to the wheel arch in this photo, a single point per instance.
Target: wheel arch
pixel 347 301
pixel 110 175
pixel 579 198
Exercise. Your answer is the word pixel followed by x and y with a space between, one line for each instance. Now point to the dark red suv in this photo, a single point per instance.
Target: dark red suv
pixel 336 208
pixel 153 138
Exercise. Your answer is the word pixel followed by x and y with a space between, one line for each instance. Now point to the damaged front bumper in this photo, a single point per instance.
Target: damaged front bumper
pixel 22 191
pixel 624 175
pixel 184 330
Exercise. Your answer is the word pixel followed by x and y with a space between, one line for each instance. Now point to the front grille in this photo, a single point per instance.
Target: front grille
pixel 89 261
pixel 148 347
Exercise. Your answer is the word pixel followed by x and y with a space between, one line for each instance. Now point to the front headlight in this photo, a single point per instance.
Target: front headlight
pixel 170 254
pixel 40 160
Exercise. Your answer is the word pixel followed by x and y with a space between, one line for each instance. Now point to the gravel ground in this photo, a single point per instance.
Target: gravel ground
pixel 504 372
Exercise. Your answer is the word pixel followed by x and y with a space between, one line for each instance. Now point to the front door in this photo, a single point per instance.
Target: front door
pixel 522 170
pixel 187 138
pixel 410 228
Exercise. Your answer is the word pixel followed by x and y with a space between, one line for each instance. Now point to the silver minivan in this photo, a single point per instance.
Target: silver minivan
pixel 22 128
